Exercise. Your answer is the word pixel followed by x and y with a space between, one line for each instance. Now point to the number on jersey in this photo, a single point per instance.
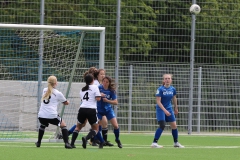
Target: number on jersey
pixel 47 101
pixel 86 96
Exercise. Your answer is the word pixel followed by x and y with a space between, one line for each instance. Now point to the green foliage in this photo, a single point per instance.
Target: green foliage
pixel 151 31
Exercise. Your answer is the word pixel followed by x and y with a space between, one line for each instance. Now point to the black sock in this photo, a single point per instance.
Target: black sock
pixel 104 133
pixel 91 134
pixel 74 136
pixel 41 131
pixel 92 139
pixel 155 140
pixel 65 134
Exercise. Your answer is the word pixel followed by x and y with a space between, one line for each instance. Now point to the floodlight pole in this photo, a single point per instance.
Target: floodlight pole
pixel 191 72
pixel 117 48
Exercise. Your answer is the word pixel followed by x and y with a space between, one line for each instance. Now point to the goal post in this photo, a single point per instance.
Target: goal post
pixel 67 52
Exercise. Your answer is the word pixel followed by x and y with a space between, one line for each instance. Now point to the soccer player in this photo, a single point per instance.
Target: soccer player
pixel 48 114
pixel 93 71
pixel 104 106
pixel 100 74
pixel 164 112
pixel 88 111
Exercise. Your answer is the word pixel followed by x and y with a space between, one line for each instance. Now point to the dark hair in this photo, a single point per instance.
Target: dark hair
pixel 88 79
pixel 91 70
pixel 112 85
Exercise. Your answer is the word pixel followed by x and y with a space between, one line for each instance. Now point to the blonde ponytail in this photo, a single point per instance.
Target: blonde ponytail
pixel 52 80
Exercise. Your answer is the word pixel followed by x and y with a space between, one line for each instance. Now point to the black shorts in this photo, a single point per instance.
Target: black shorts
pixel 55 121
pixel 87 113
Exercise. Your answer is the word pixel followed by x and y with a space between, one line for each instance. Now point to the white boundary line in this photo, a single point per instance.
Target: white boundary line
pixel 128 146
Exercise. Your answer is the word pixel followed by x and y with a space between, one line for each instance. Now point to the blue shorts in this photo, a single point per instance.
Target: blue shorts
pixel 161 116
pixel 109 114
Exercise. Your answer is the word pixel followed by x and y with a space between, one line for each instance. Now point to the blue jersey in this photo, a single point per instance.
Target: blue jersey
pixel 110 95
pixel 166 95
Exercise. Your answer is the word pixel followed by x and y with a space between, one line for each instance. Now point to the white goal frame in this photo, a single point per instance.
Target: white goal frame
pixel 42 28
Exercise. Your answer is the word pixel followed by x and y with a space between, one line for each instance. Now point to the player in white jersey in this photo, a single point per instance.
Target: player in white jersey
pixel 88 111
pixel 93 71
pixel 48 114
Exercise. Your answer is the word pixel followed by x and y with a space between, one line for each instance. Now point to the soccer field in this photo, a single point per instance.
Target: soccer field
pixel 135 147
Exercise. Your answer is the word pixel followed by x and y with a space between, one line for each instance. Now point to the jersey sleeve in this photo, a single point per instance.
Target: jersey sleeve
pixel 174 91
pixel 113 95
pixel 95 82
pixel 159 92
pixel 97 92
pixel 61 97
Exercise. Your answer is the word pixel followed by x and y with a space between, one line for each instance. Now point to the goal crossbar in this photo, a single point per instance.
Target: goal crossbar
pixel 51 27
pixel 101 30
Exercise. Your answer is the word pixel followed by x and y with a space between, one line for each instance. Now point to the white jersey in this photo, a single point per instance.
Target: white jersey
pixel 95 82
pixel 88 97
pixel 48 107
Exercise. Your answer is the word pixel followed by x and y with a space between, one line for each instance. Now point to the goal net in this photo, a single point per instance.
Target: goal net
pixel 31 53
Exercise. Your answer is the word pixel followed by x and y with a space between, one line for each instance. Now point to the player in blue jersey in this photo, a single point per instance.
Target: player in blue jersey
pixel 165 95
pixel 104 123
pixel 104 106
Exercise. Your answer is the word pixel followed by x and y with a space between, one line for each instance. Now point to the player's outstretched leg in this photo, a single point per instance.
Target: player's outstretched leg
pixel 70 131
pixel 74 137
pixel 116 132
pixel 175 139
pixel 104 134
pixel 41 131
pixel 65 137
pixel 100 138
pixel 91 134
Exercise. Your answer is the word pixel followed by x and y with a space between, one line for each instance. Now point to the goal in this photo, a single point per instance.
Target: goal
pixel 31 53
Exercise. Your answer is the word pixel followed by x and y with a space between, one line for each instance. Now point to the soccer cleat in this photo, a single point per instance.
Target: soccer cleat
pixel 118 143
pixel 107 143
pixel 73 146
pixel 101 145
pixel 68 146
pixel 97 141
pixel 178 145
pixel 84 142
pixel 94 143
pixel 59 136
pixel 38 144
pixel 155 145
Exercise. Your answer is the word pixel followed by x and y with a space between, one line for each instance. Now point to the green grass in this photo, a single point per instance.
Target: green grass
pixel 135 147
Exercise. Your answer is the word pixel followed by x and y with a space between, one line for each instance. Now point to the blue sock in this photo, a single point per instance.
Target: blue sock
pixel 175 135
pixel 157 135
pixel 70 131
pixel 100 130
pixel 99 137
pixel 116 132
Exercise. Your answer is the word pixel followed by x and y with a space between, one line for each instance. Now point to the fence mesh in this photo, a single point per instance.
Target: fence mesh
pixel 155 39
